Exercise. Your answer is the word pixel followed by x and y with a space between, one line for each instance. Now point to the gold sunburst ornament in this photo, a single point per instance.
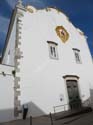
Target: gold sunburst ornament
pixel 62 33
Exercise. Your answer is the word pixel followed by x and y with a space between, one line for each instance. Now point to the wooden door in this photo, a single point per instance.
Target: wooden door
pixel 73 94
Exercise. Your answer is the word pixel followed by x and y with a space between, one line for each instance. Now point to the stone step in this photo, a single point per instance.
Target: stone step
pixel 71 113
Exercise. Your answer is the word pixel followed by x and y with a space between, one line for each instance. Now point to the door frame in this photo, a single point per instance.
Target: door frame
pixel 71 77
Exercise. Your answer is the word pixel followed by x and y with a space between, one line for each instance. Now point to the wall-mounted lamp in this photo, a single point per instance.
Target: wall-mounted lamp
pixel 14 73
pixel 3 73
pixel 61 97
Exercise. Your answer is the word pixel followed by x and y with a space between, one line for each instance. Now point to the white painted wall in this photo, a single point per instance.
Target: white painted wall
pixel 6 94
pixel 42 80
pixel 10 50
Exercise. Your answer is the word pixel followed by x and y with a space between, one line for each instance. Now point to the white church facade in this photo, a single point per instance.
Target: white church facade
pixel 46 65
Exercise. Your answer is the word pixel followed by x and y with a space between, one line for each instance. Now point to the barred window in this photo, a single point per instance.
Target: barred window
pixel 77 55
pixel 53 53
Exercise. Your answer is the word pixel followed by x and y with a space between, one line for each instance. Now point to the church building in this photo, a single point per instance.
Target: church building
pixel 46 65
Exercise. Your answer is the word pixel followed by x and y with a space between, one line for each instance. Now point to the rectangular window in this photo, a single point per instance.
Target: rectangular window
pixel 53 50
pixel 77 55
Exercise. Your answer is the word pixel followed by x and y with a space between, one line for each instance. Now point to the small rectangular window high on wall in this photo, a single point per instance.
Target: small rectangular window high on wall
pixel 77 55
pixel 53 52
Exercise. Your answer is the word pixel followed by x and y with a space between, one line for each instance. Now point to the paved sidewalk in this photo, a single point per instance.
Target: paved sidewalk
pixel 82 119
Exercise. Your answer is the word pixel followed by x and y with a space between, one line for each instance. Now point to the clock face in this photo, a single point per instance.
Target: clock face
pixel 62 33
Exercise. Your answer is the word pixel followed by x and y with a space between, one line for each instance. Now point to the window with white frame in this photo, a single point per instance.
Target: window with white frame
pixel 77 55
pixel 53 53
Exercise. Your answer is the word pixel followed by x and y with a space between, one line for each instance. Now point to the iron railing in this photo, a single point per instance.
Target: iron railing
pixel 62 107
pixel 65 107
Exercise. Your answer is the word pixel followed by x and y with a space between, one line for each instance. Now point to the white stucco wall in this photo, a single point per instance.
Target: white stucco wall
pixel 10 49
pixel 42 80
pixel 6 94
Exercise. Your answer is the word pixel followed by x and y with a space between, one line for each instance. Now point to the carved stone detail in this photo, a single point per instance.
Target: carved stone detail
pixel 18 56
pixel 62 33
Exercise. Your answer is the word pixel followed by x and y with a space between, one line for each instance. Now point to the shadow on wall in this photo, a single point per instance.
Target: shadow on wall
pixel 89 101
pixel 91 97
pixel 8 114
pixel 86 103
pixel 34 110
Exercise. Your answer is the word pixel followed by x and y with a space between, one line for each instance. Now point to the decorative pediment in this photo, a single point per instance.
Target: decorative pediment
pixel 62 33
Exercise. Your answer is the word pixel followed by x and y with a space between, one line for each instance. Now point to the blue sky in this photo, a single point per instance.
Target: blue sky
pixel 80 13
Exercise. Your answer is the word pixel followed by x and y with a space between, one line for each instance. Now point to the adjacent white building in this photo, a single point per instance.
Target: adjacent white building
pixel 46 64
